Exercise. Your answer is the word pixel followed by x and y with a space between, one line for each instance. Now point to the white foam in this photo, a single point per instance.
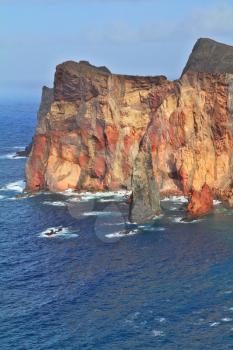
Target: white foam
pixel 56 203
pixel 152 228
pixel 226 319
pixel 121 234
pixel 217 202
pixel 180 220
pixel 11 156
pixel 19 147
pixel 17 186
pixel 100 213
pixel 173 208
pixel 214 324
pixel 228 292
pixel 65 232
pixel 96 195
pixel 157 333
pixel 179 199
pixel 2 197
pixel 113 223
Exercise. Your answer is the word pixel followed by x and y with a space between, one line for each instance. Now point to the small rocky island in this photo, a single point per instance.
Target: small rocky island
pixel 99 131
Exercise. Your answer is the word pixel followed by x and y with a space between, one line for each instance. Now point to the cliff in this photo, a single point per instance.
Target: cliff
pixel 95 130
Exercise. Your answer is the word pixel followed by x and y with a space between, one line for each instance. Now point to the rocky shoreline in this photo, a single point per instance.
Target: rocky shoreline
pixel 99 131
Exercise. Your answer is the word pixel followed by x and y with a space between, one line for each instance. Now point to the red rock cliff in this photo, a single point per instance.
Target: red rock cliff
pixel 93 124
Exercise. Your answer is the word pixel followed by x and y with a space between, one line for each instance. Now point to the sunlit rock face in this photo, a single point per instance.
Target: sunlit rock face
pixel 89 136
pixel 94 125
pixel 201 202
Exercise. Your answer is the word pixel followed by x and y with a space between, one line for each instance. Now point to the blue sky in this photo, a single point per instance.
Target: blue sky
pixel 146 37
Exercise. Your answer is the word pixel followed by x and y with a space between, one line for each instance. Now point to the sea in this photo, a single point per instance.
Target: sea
pixel 101 282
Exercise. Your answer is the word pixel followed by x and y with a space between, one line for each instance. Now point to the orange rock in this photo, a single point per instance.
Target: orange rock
pixel 100 167
pixel 35 166
pixel 201 202
pixel 112 137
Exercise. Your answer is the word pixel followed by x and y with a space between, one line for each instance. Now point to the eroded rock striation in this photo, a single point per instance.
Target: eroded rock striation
pixel 101 131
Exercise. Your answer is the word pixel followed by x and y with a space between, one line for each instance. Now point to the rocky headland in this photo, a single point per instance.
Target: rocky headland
pixel 100 131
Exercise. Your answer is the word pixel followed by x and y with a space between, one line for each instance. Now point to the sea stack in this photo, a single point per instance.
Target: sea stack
pixel 145 201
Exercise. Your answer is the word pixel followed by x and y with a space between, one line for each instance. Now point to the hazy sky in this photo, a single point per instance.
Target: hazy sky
pixel 146 37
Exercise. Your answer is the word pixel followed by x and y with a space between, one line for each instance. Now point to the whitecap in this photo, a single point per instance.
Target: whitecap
pixel 217 202
pixel 96 195
pixel 152 228
pixel 56 203
pixel 179 199
pixel 113 223
pixel 180 220
pixel 214 324
pixel 157 333
pixel 2 197
pixel 17 186
pixel 122 234
pixel 226 319
pixel 11 156
pixel 100 213
pixel 19 147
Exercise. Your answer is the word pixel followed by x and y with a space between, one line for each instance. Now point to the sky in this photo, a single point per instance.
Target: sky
pixel 141 37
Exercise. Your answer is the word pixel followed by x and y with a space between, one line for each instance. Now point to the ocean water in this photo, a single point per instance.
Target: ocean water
pixel 165 285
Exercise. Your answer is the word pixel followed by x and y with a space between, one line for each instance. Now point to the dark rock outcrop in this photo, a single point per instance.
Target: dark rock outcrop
pixel 25 152
pixel 210 56
pixel 145 201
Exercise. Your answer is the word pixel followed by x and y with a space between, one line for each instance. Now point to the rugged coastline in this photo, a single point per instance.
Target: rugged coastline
pixel 99 131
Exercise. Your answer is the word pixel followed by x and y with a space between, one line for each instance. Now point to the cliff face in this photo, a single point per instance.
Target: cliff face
pixel 88 134
pixel 94 128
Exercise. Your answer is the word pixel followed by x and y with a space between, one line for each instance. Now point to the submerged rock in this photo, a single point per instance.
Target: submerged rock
pixel 25 152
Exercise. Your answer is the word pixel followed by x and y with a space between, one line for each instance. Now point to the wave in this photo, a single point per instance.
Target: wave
pixel 154 229
pixel 19 147
pixel 121 234
pixel 55 203
pixel 2 197
pixel 100 213
pixel 157 333
pixel 64 232
pixel 180 220
pixel 214 324
pixel 226 319
pixel 102 196
pixel 178 199
pixel 11 156
pixel 17 186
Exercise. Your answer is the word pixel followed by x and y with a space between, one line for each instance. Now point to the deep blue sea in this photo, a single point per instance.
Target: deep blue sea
pixel 167 285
